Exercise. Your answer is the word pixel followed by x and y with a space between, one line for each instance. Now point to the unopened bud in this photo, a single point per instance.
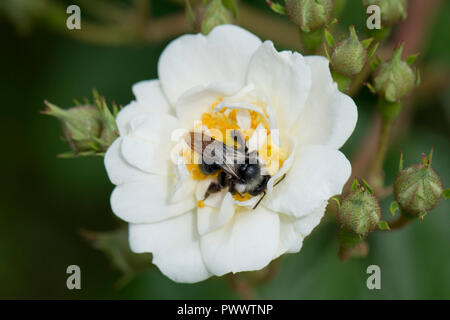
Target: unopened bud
pixel 89 129
pixel 309 15
pixel 418 188
pixel 359 212
pixel 349 56
pixel 391 11
pixel 394 79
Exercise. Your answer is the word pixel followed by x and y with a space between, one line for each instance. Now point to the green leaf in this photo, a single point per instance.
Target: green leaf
pixel 446 193
pixel 400 163
pixel 394 207
pixel 373 50
pixel 383 225
pixel 366 43
pixel 371 88
pixel 355 185
pixel 329 38
pixel 337 201
pixel 276 7
pixel 367 186
pixel 412 58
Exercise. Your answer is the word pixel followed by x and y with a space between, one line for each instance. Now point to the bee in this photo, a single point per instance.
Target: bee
pixel 238 170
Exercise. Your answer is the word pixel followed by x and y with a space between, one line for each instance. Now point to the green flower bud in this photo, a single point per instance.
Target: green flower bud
pixel 309 15
pixel 391 11
pixel 394 79
pixel 88 129
pixel 215 14
pixel 418 188
pixel 359 212
pixel 349 56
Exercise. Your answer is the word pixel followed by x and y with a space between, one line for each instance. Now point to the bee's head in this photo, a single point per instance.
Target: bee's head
pixel 248 171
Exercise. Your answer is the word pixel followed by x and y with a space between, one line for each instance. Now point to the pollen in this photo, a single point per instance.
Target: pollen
pixel 200 203
pixel 220 124
pixel 242 197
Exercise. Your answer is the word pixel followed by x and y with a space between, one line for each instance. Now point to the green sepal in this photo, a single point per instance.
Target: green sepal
pixel 393 207
pixel 384 226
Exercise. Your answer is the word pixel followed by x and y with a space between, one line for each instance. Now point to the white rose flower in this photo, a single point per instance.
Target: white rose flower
pixel 228 79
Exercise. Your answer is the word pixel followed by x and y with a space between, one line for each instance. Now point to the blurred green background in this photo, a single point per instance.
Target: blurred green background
pixel 45 201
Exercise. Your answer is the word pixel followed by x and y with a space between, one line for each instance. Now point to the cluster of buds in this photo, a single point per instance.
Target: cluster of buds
pixel 348 57
pixel 392 81
pixel 88 128
pixel 418 188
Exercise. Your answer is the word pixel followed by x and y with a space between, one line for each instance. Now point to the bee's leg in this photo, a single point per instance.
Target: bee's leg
pixel 279 180
pixel 232 187
pixel 223 179
pixel 213 188
pixel 259 201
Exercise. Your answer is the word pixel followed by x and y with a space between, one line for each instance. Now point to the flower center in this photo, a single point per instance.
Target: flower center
pixel 254 128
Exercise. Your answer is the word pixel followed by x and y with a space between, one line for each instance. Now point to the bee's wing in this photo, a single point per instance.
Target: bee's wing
pixel 232 157
pixel 214 151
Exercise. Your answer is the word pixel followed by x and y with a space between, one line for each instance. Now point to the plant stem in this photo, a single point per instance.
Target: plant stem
pixel 399 223
pixel 375 173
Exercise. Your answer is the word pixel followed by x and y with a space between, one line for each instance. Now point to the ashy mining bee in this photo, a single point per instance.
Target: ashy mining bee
pixel 239 171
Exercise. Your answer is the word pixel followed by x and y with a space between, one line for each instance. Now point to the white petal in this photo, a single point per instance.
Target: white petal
pixel 197 100
pixel 149 95
pixel 148 156
pixel 243 119
pixel 154 127
pixel 306 224
pixel 175 247
pixel 147 201
pixel 257 139
pixel 193 60
pixel 290 145
pixel 118 169
pixel 329 116
pixel 247 242
pixel 284 78
pixel 290 239
pixel 183 188
pixel 318 172
pixel 210 218
pixel 131 111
